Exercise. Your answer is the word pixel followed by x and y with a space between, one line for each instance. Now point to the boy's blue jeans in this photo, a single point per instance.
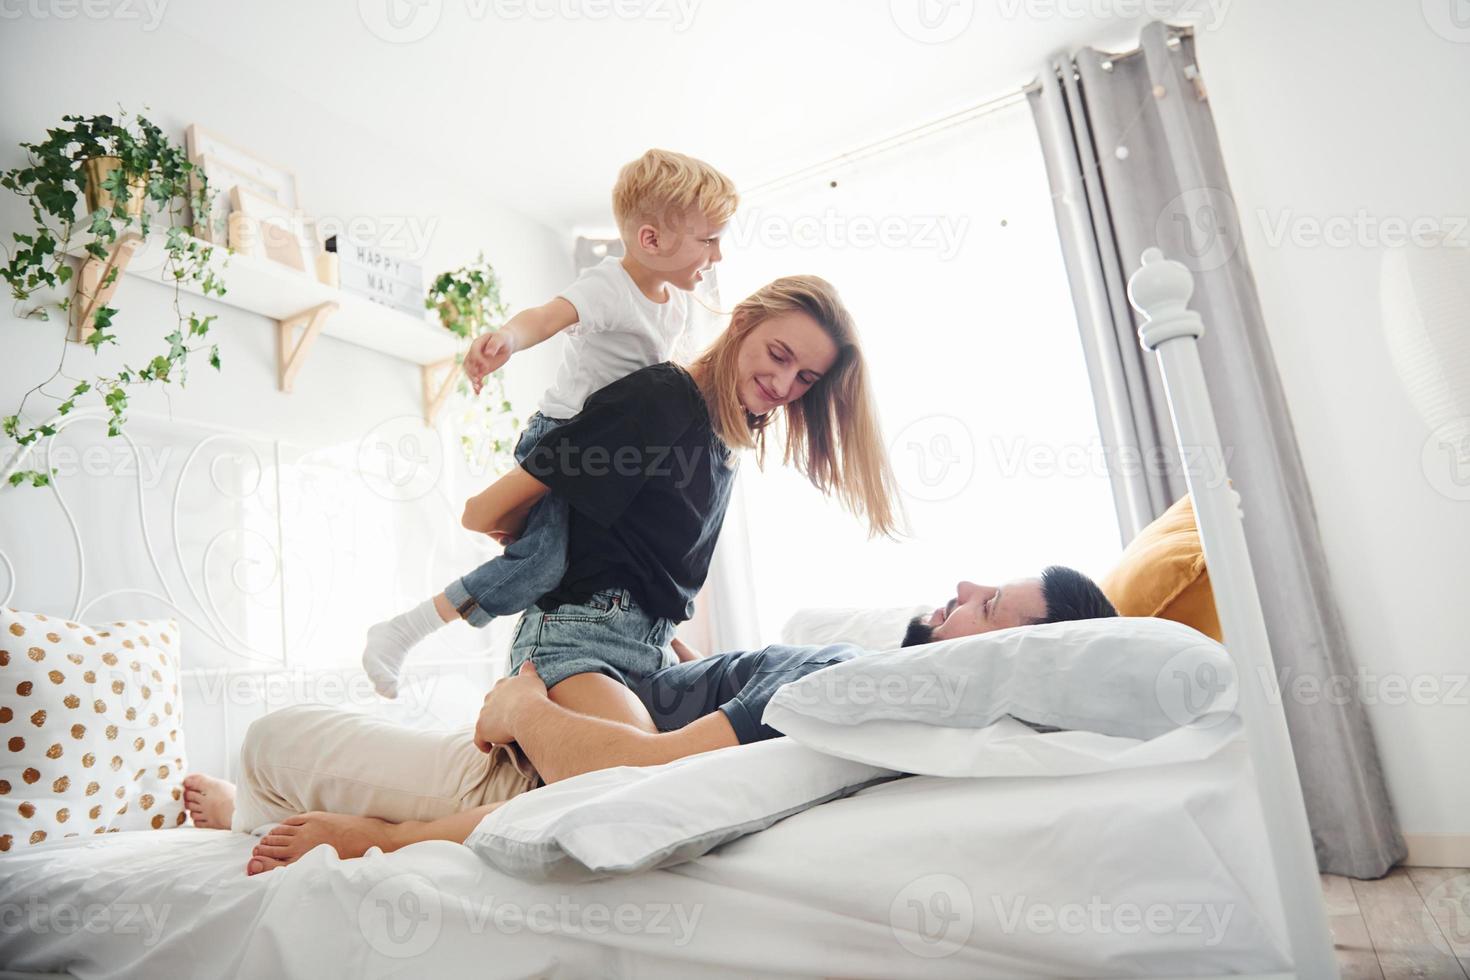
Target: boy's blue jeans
pixel 531 566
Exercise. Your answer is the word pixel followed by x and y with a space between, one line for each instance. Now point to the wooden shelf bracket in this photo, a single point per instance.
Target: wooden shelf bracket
pixel 97 280
pixel 436 391
pixel 290 351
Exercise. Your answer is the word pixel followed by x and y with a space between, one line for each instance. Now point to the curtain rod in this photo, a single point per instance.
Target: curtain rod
pixel 890 142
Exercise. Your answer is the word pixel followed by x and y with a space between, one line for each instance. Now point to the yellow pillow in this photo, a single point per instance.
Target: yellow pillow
pixel 1162 573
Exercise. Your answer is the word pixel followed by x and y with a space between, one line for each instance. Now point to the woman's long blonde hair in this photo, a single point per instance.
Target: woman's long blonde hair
pixel 832 433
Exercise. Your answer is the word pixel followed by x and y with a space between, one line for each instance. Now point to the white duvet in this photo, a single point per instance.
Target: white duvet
pixel 1156 870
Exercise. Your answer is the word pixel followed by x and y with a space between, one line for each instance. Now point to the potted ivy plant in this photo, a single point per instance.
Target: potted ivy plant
pixel 129 175
pixel 468 302
pixel 468 299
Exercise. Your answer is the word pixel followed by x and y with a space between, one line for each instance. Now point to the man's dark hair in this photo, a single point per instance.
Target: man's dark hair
pixel 1071 595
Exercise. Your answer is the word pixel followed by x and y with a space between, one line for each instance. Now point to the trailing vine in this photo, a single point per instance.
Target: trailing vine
pixel 144 174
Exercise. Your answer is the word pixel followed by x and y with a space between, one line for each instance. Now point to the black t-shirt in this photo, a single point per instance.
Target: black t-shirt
pixel 647 481
pixel 739 684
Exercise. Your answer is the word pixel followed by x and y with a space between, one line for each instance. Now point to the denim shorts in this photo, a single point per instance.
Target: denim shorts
pixel 605 634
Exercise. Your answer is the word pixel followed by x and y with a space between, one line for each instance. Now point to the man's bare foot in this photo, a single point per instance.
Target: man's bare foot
pixel 350 837
pixel 210 801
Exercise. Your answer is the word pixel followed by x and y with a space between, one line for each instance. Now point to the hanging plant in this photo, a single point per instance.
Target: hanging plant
pixel 128 173
pixel 468 302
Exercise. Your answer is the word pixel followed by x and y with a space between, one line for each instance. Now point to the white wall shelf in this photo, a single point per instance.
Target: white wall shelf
pixel 295 300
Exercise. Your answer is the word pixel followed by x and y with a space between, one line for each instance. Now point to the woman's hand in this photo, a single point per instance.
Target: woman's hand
pixel 503 507
pixel 509 696
pixel 684 652
pixel 512 525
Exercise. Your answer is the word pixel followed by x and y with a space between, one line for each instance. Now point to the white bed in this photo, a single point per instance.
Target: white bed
pixel 825 893
pixel 1161 871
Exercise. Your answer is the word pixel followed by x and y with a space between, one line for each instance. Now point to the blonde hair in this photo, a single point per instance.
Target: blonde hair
pixel 662 185
pixel 832 433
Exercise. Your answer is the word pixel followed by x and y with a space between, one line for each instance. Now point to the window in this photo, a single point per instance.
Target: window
pixel 945 250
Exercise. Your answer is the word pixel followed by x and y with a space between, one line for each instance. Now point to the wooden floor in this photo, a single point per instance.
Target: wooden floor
pixel 1413 923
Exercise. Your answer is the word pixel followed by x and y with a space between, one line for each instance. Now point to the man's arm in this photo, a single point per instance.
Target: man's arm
pixel 563 743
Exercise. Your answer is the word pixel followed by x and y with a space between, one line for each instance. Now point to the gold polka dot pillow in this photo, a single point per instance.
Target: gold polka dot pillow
pixel 91 735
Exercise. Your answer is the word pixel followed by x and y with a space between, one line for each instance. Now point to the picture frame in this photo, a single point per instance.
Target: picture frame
pixel 266 229
pixel 226 166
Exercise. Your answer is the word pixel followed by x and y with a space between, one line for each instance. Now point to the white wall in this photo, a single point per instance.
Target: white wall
pixel 51 67
pixel 1345 116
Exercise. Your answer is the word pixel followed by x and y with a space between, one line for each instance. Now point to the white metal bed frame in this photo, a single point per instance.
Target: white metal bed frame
pixel 1160 291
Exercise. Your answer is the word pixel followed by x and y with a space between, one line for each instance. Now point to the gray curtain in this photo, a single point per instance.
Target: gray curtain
pixel 1134 161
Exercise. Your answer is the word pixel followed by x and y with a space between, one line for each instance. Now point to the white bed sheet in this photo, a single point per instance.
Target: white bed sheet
pixel 1014 877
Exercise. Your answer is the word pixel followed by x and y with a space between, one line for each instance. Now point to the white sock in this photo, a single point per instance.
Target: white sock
pixel 388 644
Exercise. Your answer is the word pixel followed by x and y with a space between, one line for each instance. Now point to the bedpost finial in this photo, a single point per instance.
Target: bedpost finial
pixel 1160 290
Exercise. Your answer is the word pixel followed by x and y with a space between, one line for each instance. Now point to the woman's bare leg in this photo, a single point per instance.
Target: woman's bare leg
pixel 602 697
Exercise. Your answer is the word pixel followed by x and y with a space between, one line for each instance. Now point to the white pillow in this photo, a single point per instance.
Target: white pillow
pixel 919 709
pixel 871 629
pixel 91 728
pixel 629 819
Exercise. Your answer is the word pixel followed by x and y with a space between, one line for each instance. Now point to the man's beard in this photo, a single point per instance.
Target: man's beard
pixel 918 633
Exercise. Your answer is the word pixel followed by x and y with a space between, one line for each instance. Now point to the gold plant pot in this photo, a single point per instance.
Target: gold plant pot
pixel 95 171
pixel 448 313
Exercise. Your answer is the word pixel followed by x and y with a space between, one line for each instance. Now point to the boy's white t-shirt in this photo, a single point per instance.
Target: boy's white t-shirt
pixel 618 331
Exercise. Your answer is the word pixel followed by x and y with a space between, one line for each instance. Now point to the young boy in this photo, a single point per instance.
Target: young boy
pixel 619 316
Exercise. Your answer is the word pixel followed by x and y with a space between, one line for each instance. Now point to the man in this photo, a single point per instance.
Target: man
pixel 425 786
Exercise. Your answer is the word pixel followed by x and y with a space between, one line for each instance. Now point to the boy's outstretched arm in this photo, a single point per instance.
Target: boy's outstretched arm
pixel 526 329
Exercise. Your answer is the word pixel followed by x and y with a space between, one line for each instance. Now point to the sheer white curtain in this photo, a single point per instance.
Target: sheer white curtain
pixel 945 249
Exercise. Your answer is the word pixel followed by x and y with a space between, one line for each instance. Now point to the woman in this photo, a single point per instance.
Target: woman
pixel 646 469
